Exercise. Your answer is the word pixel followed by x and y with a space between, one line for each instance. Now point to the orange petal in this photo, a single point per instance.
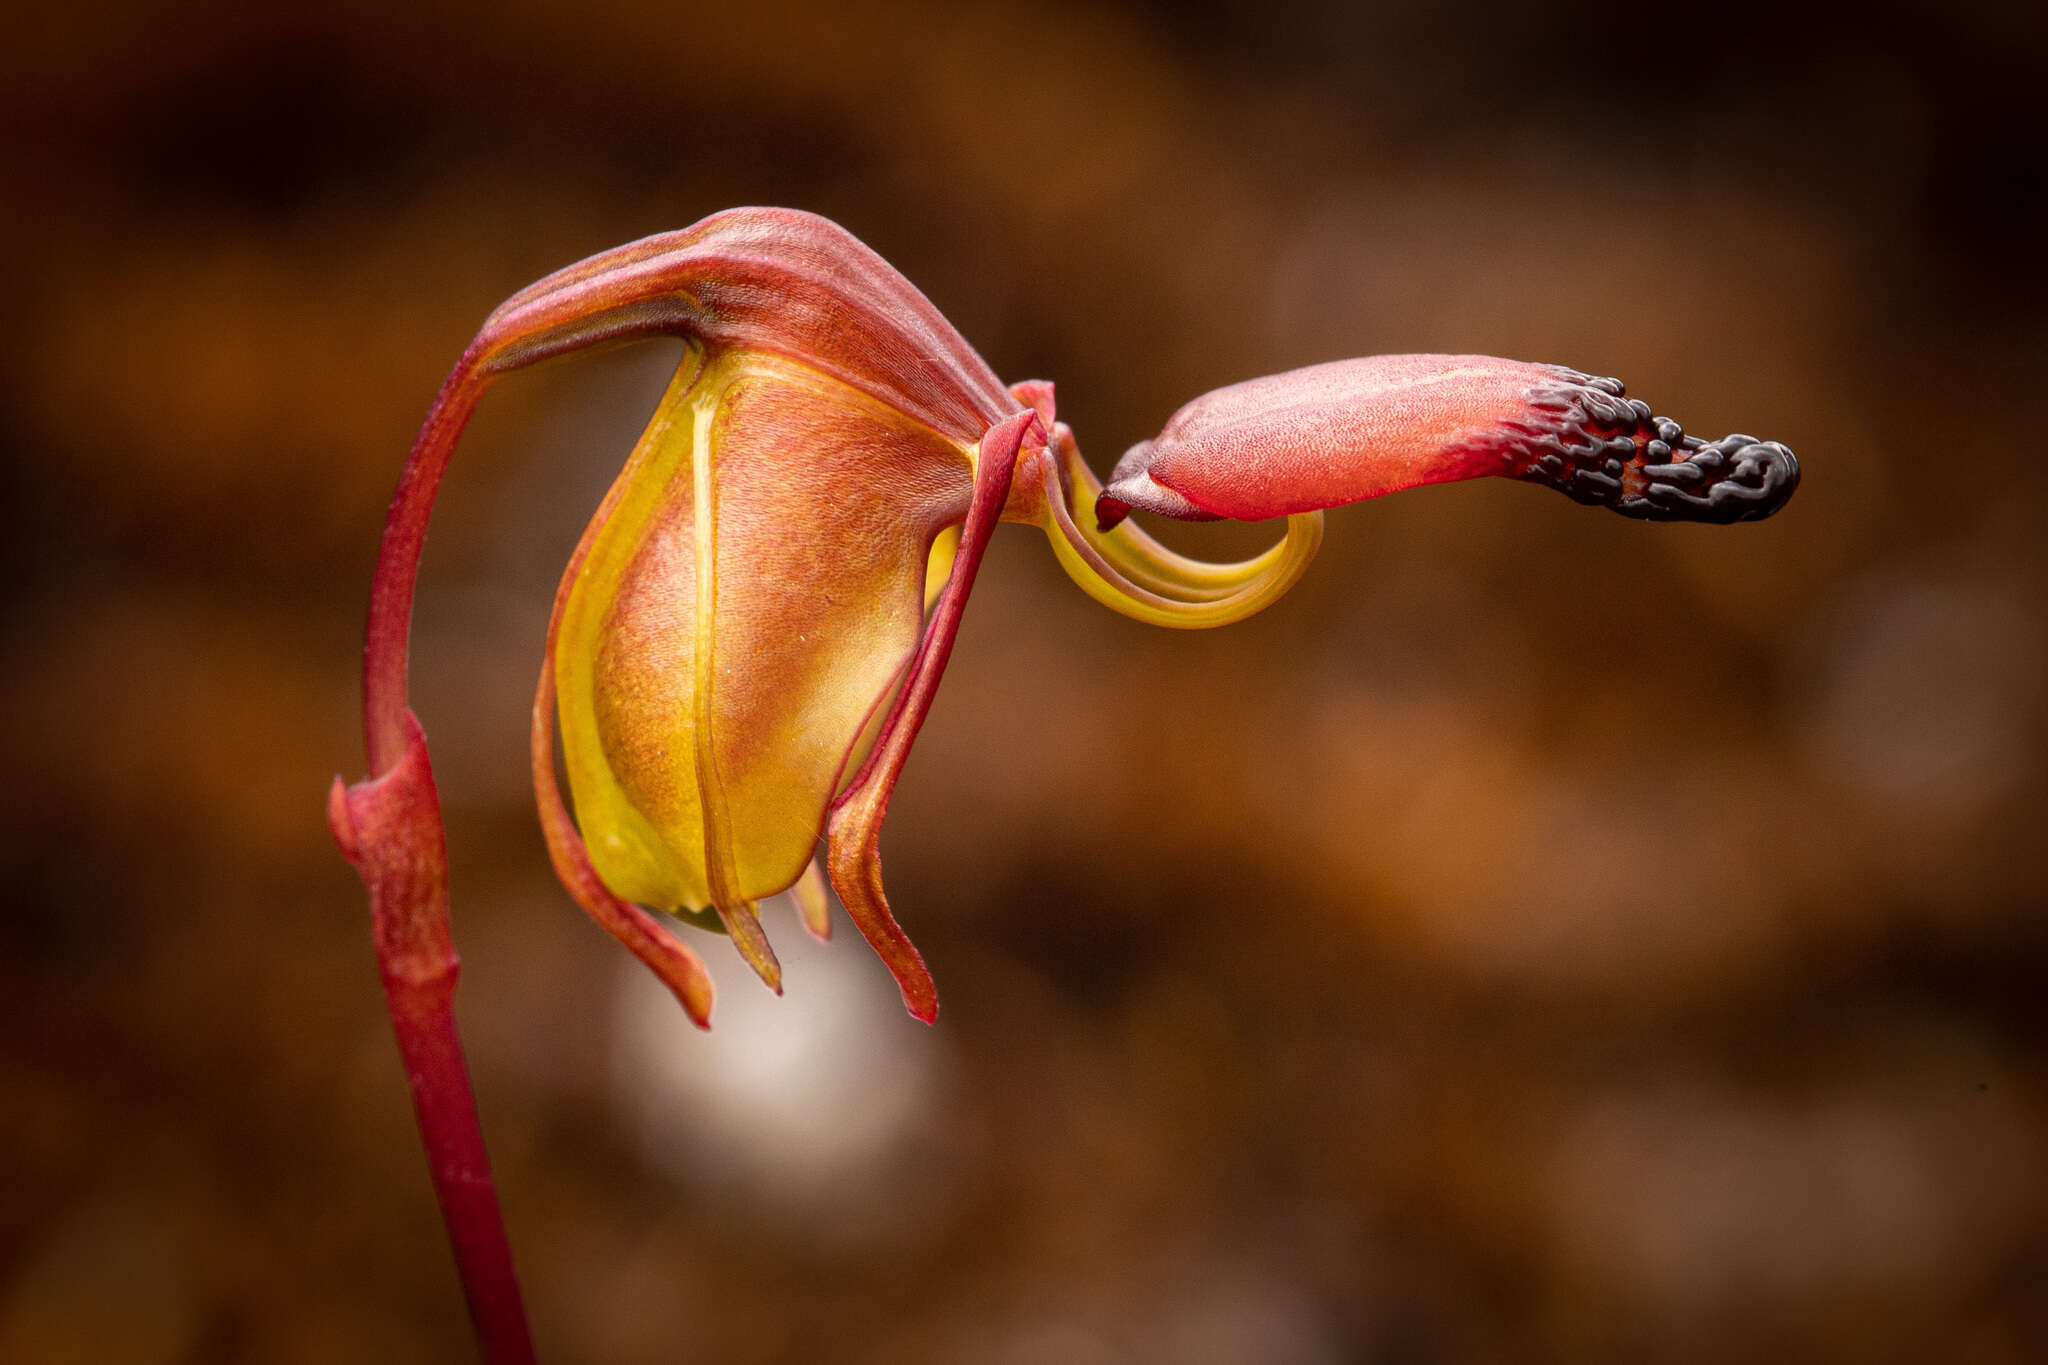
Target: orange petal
pixel 749 595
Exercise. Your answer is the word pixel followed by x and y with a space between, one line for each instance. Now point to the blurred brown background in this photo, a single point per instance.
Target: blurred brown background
pixel 1541 937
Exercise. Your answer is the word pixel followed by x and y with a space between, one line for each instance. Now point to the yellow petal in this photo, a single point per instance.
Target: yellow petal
pixel 747 598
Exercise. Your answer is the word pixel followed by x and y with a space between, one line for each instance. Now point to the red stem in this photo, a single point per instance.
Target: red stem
pixel 390 828
pixel 423 1016
pixel 386 638
pixel 390 824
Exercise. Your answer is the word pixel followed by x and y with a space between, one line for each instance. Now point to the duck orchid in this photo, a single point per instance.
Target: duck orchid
pixel 751 631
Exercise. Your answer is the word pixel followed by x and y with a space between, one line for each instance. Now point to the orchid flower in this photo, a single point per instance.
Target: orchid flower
pixel 751 630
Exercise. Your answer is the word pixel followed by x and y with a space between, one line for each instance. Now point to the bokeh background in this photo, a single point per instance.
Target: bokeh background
pixel 1541 937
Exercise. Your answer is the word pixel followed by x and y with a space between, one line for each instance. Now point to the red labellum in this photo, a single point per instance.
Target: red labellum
pixel 1355 429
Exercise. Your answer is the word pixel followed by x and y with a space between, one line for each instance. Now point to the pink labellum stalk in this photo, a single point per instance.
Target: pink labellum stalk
pixel 751 632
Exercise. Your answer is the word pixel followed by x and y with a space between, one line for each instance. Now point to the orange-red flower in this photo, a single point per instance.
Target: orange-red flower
pixel 750 632
pixel 752 627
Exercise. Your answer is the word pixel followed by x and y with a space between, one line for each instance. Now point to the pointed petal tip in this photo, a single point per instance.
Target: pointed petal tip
pixel 813 907
pixel 744 928
pixel 679 970
pixel 913 982
pixel 695 994
pixel 854 867
pixel 769 969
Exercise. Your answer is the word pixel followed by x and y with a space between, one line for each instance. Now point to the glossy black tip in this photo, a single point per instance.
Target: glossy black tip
pixel 1737 478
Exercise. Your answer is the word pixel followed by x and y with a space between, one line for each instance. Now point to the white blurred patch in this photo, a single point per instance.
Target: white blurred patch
pixel 1928 690
pixel 818 1105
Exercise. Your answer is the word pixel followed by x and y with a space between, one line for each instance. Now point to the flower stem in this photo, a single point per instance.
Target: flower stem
pixel 390 827
pixel 423 1017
